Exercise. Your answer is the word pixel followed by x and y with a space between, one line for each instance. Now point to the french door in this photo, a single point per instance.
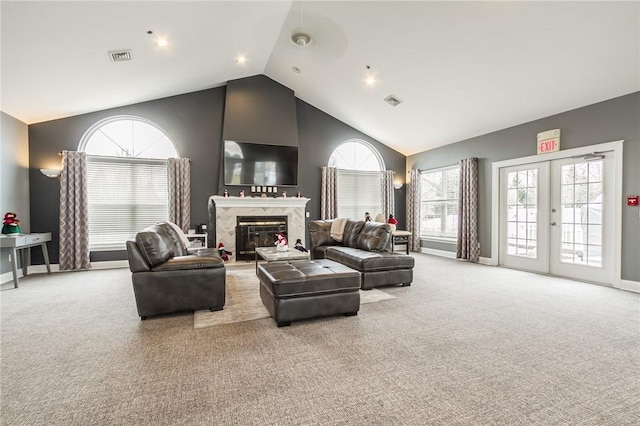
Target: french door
pixel 557 217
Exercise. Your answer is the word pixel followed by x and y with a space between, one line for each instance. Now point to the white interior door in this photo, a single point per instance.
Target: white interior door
pixel 524 217
pixel 557 217
pixel 582 231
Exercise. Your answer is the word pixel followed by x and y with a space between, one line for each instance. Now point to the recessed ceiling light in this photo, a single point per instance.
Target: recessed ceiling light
pixel 162 42
pixel 241 59
pixel 370 80
pixel 296 70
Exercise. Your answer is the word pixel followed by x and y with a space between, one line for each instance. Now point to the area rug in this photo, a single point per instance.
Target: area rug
pixel 243 300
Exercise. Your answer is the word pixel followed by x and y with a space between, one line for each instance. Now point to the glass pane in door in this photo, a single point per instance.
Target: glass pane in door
pixel 581 214
pixel 522 202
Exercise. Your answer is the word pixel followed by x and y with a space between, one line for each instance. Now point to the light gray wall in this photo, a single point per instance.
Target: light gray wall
pixel 616 119
pixel 14 175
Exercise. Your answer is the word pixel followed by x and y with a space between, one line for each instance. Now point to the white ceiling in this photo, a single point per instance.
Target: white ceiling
pixel 462 69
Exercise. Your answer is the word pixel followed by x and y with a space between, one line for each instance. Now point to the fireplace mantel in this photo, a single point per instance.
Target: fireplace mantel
pixel 242 202
pixel 227 210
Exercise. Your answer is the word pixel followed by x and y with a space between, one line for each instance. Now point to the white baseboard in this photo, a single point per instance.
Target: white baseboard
pixel 630 285
pixel 41 269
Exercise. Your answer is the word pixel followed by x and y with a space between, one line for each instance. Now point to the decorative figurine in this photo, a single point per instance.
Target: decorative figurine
pixel 367 217
pixel 242 194
pixel 392 223
pixel 226 193
pixel 298 195
pixel 11 224
pixel 298 246
pixel 281 244
pixel 284 194
pixel 224 254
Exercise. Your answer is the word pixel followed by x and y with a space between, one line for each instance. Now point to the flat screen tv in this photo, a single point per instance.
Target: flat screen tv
pixel 257 164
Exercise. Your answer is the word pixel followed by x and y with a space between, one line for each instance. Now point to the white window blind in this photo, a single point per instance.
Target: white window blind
pixel 358 192
pixel 125 195
pixel 439 203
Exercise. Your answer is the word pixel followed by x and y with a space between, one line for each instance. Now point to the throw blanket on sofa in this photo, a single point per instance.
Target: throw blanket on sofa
pixel 337 229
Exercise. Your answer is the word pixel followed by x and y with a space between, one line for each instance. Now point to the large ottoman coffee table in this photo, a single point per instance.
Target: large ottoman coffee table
pixel 308 289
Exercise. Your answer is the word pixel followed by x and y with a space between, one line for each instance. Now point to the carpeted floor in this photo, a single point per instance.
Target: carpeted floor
pixel 243 301
pixel 465 344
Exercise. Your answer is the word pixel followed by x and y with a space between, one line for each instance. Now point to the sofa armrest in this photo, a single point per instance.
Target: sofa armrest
pixel 136 261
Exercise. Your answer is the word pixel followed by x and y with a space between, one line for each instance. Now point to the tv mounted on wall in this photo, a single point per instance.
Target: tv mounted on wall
pixel 258 164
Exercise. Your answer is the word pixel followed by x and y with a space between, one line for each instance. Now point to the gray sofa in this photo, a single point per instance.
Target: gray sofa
pixel 366 247
pixel 167 279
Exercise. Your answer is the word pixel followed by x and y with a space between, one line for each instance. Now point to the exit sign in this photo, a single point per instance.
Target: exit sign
pixel 549 141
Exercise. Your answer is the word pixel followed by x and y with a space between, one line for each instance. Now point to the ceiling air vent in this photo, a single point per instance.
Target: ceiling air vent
pixel 120 55
pixel 392 100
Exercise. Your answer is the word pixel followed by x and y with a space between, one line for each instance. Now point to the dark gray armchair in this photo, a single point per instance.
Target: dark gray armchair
pixel 167 279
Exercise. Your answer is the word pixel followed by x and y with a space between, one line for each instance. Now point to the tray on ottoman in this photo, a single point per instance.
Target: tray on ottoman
pixel 308 289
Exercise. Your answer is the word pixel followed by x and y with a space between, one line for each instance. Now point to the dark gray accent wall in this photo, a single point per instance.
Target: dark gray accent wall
pixel 14 176
pixel 260 110
pixel 615 119
pixel 194 122
pixel 320 135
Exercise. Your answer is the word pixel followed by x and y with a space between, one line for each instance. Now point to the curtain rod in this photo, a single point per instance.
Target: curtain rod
pixel 60 154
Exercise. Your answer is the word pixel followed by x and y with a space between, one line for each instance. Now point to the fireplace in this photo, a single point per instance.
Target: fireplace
pixel 225 211
pixel 257 231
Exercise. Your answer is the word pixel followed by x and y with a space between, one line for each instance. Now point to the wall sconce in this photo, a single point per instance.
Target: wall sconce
pixel 397 185
pixel 51 173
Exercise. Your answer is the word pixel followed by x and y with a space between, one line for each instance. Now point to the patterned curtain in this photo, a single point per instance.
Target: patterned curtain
pixel 180 192
pixel 328 205
pixel 388 206
pixel 468 211
pixel 413 210
pixel 74 212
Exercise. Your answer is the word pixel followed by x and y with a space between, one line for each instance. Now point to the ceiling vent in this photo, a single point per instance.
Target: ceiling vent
pixel 120 55
pixel 392 100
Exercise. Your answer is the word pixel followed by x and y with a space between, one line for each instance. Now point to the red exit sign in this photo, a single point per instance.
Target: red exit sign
pixel 549 141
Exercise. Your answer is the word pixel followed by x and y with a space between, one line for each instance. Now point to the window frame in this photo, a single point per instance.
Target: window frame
pixel 133 160
pixel 438 238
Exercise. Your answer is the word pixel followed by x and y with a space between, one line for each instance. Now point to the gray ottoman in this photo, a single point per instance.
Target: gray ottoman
pixel 308 289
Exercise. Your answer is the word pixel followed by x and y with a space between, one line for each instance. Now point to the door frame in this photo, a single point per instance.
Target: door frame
pixel 615 146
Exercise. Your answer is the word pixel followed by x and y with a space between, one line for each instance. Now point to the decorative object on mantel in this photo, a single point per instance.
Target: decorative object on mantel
pixel 226 193
pixel 298 194
pixel 242 193
pixel 284 194
pixel 11 224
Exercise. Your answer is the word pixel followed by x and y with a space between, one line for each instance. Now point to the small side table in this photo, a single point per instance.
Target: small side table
pixel 401 238
pixel 21 242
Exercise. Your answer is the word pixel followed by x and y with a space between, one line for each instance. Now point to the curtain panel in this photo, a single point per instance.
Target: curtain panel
pixel 468 211
pixel 388 201
pixel 328 204
pixel 179 182
pixel 413 210
pixel 74 213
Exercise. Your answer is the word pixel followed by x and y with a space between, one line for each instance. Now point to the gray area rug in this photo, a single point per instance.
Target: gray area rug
pixel 243 300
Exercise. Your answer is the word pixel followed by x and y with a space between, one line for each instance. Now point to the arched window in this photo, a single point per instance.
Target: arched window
pixel 127 179
pixel 359 179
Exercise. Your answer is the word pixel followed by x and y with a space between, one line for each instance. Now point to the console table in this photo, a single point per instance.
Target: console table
pixel 401 238
pixel 21 242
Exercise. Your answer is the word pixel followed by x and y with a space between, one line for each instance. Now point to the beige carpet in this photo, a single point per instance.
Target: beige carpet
pixel 243 300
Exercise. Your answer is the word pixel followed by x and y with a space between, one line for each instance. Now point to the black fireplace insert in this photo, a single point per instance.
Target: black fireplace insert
pixel 257 231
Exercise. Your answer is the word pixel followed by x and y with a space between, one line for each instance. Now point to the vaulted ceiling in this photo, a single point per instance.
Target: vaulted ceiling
pixel 461 69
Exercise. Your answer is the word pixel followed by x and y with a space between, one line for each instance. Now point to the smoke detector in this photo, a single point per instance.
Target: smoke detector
pixel 120 55
pixel 301 39
pixel 392 100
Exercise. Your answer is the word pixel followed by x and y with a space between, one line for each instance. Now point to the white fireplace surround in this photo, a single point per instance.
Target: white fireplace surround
pixel 229 208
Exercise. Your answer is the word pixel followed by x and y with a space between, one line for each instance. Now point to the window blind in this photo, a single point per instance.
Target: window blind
pixel 358 192
pixel 125 195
